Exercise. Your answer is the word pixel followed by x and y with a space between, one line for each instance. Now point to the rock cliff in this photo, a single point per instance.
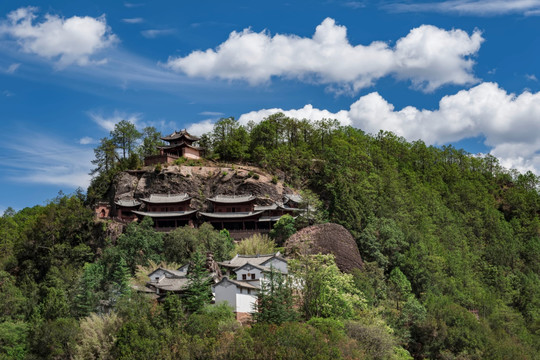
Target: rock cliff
pixel 200 182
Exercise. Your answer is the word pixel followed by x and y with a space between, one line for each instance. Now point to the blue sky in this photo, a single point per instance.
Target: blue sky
pixel 463 72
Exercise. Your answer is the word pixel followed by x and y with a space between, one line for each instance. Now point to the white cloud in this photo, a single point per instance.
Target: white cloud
pixel 154 33
pixel 428 56
pixel 508 122
pixel 71 40
pixel 7 93
pixel 133 20
pixel 87 140
pixel 108 122
pixel 531 77
pixel 39 158
pixel 211 113
pixel 201 127
pixel 12 68
pixel 307 112
pixel 133 5
pixel 472 7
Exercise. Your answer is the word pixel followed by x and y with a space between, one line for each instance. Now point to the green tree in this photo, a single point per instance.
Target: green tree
pixel 325 291
pixel 125 136
pixel 198 292
pixel 398 286
pixel 283 229
pixel 275 303
pixel 151 139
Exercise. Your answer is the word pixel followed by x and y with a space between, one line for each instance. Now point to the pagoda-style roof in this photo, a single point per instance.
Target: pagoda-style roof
pixel 166 198
pixel 127 202
pixel 293 197
pixel 232 199
pixel 170 284
pixel 178 135
pixel 230 215
pixel 181 145
pixel 165 214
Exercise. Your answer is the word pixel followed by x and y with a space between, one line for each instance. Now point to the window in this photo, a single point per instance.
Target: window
pixel 244 277
pixel 252 276
pixel 249 291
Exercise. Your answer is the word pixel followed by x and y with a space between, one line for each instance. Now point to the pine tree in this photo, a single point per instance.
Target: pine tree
pixel 198 292
pixel 275 300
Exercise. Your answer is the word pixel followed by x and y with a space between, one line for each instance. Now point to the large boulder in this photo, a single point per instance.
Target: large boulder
pixel 327 239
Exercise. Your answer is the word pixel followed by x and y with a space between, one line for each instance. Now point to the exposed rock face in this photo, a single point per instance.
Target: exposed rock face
pixel 200 182
pixel 327 239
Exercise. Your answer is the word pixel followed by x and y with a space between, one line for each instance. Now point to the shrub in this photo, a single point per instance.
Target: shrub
pixel 250 174
pixel 256 244
pixel 158 167
pixel 256 176
pixel 274 179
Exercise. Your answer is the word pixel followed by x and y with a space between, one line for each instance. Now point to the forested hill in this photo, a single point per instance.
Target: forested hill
pixel 450 243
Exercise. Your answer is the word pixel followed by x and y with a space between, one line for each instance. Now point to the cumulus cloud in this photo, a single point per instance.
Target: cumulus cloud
pixel 508 122
pixel 201 127
pixel 472 7
pixel 108 122
pixel 428 56
pixel 71 40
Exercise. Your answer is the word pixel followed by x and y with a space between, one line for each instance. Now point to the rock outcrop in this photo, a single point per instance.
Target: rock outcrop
pixel 327 239
pixel 200 182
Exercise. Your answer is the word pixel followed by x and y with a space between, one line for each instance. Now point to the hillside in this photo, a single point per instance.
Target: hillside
pixel 450 245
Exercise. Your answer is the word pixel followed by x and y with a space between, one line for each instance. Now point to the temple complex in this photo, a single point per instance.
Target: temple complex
pixel 239 214
pixel 181 143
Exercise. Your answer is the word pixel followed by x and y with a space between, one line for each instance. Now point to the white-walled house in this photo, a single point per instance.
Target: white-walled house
pixel 244 274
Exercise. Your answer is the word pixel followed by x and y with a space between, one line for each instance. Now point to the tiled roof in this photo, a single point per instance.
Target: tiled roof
pixel 260 267
pixel 166 198
pixel 266 207
pixel 243 284
pixel 175 273
pixel 178 134
pixel 230 215
pixel 231 199
pixel 127 202
pixel 240 260
pixel 164 214
pixel 293 197
pixel 170 284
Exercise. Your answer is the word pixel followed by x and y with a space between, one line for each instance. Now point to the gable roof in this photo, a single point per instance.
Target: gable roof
pixel 173 273
pixel 243 284
pixel 240 260
pixel 170 284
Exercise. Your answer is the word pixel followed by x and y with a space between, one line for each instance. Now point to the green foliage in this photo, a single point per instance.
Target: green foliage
pixel 198 292
pixel 325 291
pixel 139 244
pixel 181 243
pixel 283 229
pixel 256 244
pixel 96 337
pixel 13 340
pixel 274 179
pixel 275 303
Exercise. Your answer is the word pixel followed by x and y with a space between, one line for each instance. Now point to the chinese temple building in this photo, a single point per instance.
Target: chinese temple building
pixel 234 213
pixel 181 143
pixel 125 208
pixel 168 211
